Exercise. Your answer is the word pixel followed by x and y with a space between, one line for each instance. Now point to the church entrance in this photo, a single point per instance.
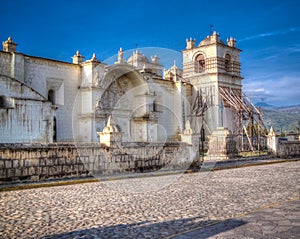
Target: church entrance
pixel 127 99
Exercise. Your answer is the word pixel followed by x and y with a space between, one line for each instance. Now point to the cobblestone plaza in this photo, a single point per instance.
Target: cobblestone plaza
pixel 158 207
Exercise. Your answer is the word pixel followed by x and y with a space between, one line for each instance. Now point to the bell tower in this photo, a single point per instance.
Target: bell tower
pixel 211 67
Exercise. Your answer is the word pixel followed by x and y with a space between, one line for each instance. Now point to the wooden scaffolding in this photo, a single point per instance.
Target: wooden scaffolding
pixel 249 118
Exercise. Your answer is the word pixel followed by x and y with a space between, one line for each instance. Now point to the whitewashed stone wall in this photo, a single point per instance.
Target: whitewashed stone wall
pixel 30 116
pixel 64 79
pixel 43 75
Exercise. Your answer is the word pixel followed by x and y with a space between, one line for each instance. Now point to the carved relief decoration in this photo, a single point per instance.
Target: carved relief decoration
pixel 113 97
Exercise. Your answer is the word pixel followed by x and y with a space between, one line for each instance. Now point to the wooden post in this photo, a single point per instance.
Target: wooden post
pixel 258 131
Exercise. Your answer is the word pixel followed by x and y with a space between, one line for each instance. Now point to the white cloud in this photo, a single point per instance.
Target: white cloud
pixel 278 91
pixel 274 33
pixel 259 90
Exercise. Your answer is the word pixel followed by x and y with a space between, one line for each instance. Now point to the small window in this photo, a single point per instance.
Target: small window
pixel 200 63
pixel 227 63
pixel 6 102
pixel 154 106
pixel 54 130
pixel 51 96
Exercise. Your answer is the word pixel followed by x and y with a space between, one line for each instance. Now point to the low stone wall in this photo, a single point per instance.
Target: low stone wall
pixel 288 149
pixel 19 162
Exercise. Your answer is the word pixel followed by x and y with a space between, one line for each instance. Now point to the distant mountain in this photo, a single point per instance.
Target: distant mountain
pixel 291 108
pixel 264 105
pixel 285 118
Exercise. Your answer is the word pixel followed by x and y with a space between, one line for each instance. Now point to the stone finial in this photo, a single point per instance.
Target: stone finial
pixel 231 42
pixel 272 132
pixel 94 57
pixel 215 36
pixel 190 43
pixel 110 126
pixel 155 59
pixel 187 129
pixel 187 135
pixel 9 45
pixel 120 55
pixel 110 136
pixel 174 65
pixel 77 58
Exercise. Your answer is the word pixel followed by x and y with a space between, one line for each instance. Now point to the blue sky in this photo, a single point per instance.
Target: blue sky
pixel 268 32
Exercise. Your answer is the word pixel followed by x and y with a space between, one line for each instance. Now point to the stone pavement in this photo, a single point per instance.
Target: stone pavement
pixel 159 207
pixel 281 221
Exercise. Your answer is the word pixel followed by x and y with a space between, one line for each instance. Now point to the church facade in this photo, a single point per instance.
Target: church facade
pixel 45 100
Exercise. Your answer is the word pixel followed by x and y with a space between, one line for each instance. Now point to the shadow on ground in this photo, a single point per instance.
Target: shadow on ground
pixel 149 229
pixel 213 230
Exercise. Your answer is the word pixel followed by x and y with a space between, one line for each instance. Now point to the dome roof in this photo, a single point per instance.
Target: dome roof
pixel 214 38
pixel 138 56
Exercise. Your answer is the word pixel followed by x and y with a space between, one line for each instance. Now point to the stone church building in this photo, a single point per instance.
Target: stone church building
pixel 46 100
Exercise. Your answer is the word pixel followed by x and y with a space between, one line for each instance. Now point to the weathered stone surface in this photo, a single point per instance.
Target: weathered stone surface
pixel 221 145
pixel 288 149
pixel 49 161
pixel 282 148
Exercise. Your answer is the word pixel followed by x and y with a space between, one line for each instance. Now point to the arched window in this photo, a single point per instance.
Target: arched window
pixel 200 63
pixel 228 63
pixel 51 96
